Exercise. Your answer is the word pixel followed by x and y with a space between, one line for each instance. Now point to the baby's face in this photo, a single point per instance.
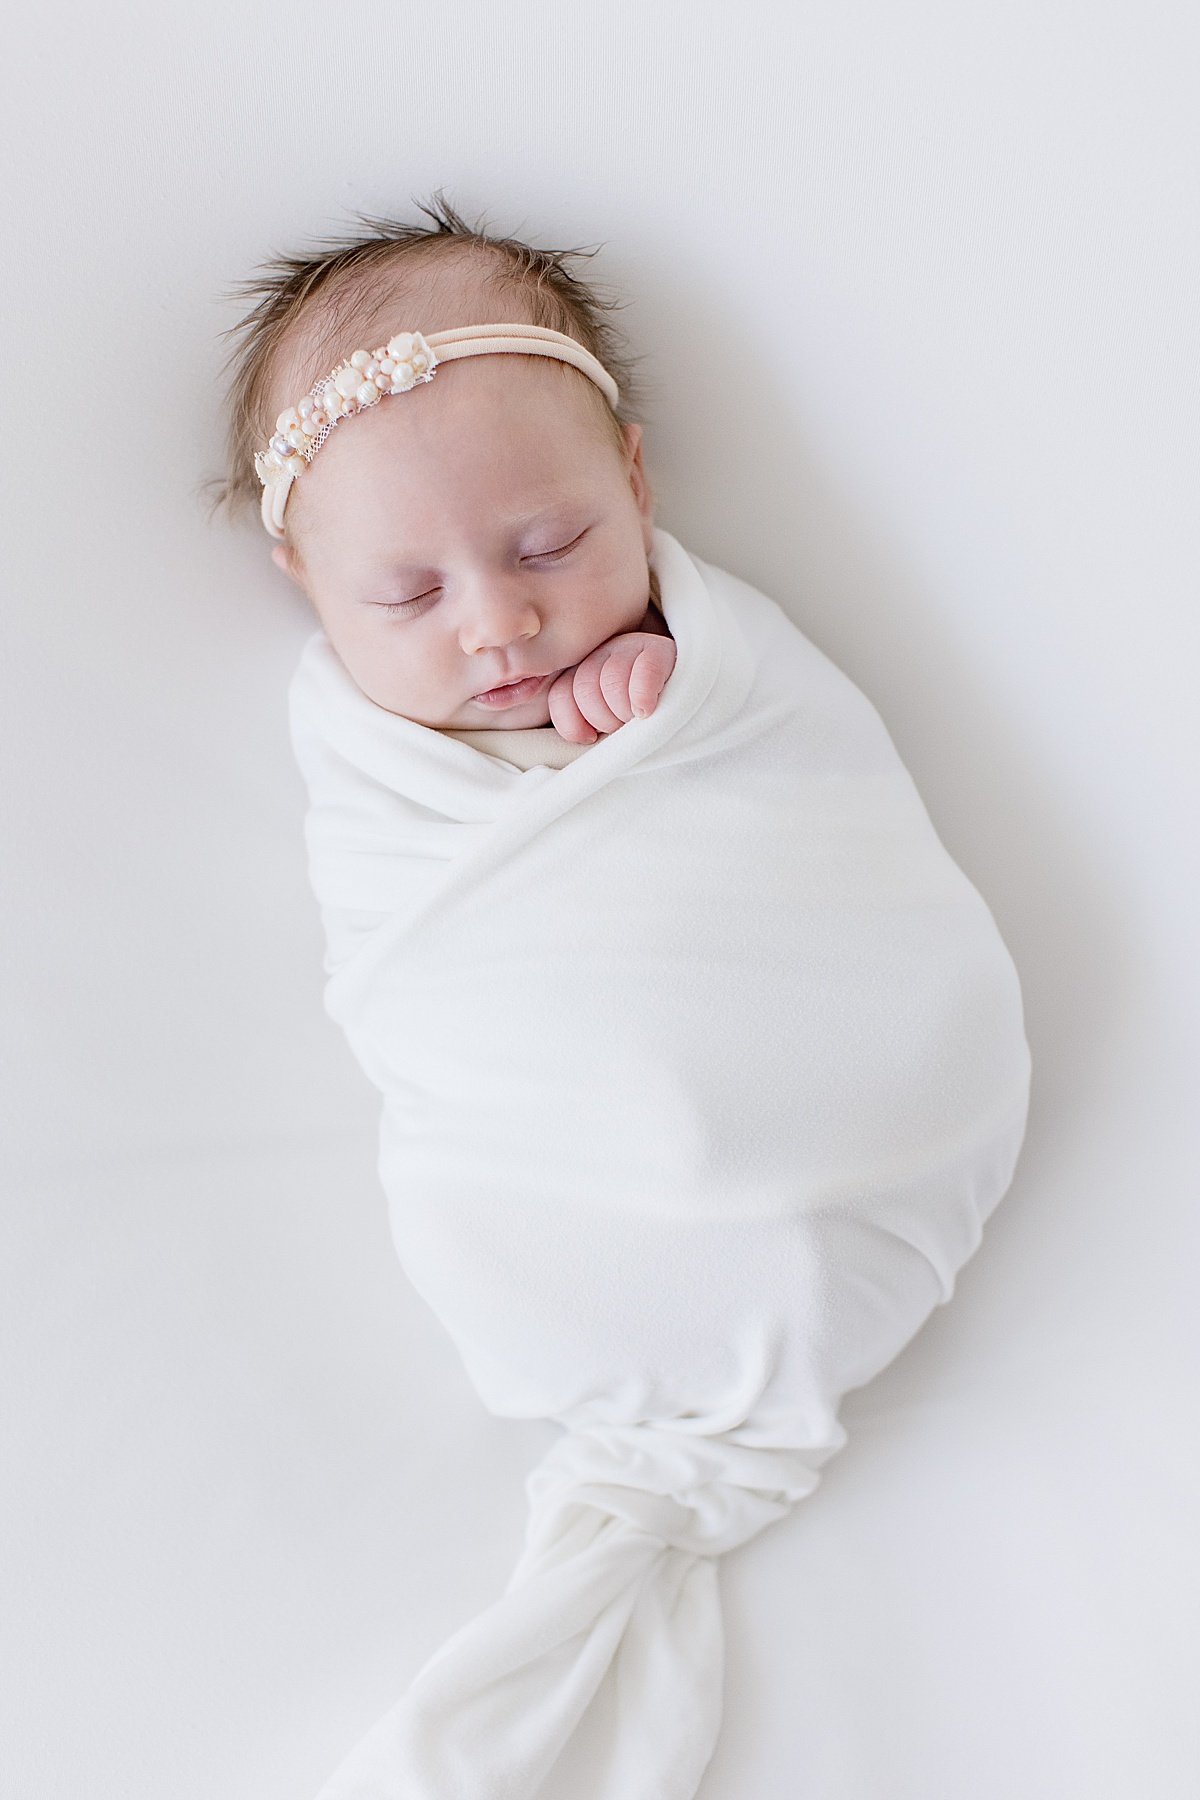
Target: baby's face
pixel 477 529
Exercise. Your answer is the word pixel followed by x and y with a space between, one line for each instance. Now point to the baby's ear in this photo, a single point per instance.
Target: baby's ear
pixel 281 556
pixel 643 493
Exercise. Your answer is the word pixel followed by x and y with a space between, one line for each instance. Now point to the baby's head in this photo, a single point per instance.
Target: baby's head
pixel 490 523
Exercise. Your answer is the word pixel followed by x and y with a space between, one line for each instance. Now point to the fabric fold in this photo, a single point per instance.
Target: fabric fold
pixel 703 1066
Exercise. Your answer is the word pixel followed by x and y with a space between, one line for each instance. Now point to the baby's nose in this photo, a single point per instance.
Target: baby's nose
pixel 496 618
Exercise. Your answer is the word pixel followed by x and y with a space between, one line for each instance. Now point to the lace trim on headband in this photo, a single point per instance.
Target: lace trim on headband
pixel 359 382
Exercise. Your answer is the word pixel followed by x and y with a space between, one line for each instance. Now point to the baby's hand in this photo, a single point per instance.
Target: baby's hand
pixel 622 677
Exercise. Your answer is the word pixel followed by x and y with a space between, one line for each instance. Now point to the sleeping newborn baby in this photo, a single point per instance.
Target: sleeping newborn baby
pixel 702 1064
pixel 482 561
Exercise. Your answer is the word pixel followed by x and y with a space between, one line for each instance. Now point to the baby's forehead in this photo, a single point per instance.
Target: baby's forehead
pixel 534 414
pixel 357 316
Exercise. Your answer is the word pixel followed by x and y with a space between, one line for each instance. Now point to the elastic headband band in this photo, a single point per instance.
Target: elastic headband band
pixel 367 375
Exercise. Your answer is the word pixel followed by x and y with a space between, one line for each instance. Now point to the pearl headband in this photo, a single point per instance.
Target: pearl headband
pixel 396 366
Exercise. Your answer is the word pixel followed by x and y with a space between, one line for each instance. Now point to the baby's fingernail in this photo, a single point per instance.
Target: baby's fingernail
pixel 639 712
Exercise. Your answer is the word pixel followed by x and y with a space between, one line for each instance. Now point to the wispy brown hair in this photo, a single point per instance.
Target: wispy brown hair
pixel 321 298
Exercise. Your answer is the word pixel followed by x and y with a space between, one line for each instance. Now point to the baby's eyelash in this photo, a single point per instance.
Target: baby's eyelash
pixel 543 555
pixel 397 606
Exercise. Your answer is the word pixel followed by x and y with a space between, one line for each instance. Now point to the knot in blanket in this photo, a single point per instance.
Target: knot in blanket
pixel 700 1494
pixel 617 1583
pixel 703 1066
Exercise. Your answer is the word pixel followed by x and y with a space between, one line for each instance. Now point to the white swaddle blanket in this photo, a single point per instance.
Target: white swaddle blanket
pixel 702 1066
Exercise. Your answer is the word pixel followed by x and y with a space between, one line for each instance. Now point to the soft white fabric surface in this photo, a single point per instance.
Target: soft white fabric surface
pixel 702 1066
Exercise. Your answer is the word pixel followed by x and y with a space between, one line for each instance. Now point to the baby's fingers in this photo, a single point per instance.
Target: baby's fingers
pixel 620 680
pixel 613 679
pixel 601 686
pixel 648 675
pixel 624 679
pixel 565 715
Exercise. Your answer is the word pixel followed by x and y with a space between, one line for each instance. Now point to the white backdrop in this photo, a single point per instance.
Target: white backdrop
pixel 917 290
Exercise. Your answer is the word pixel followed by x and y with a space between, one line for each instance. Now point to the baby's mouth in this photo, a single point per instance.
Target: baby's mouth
pixel 512 693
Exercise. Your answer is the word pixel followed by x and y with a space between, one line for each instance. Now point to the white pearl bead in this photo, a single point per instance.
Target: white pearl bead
pixel 367 394
pixel 402 375
pixel 287 419
pixel 372 368
pixel 297 438
pixel 360 359
pixel 386 364
pixel 420 362
pixel 306 406
pixel 401 346
pixel 382 382
pixel 295 465
pixel 280 443
pixel 346 381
